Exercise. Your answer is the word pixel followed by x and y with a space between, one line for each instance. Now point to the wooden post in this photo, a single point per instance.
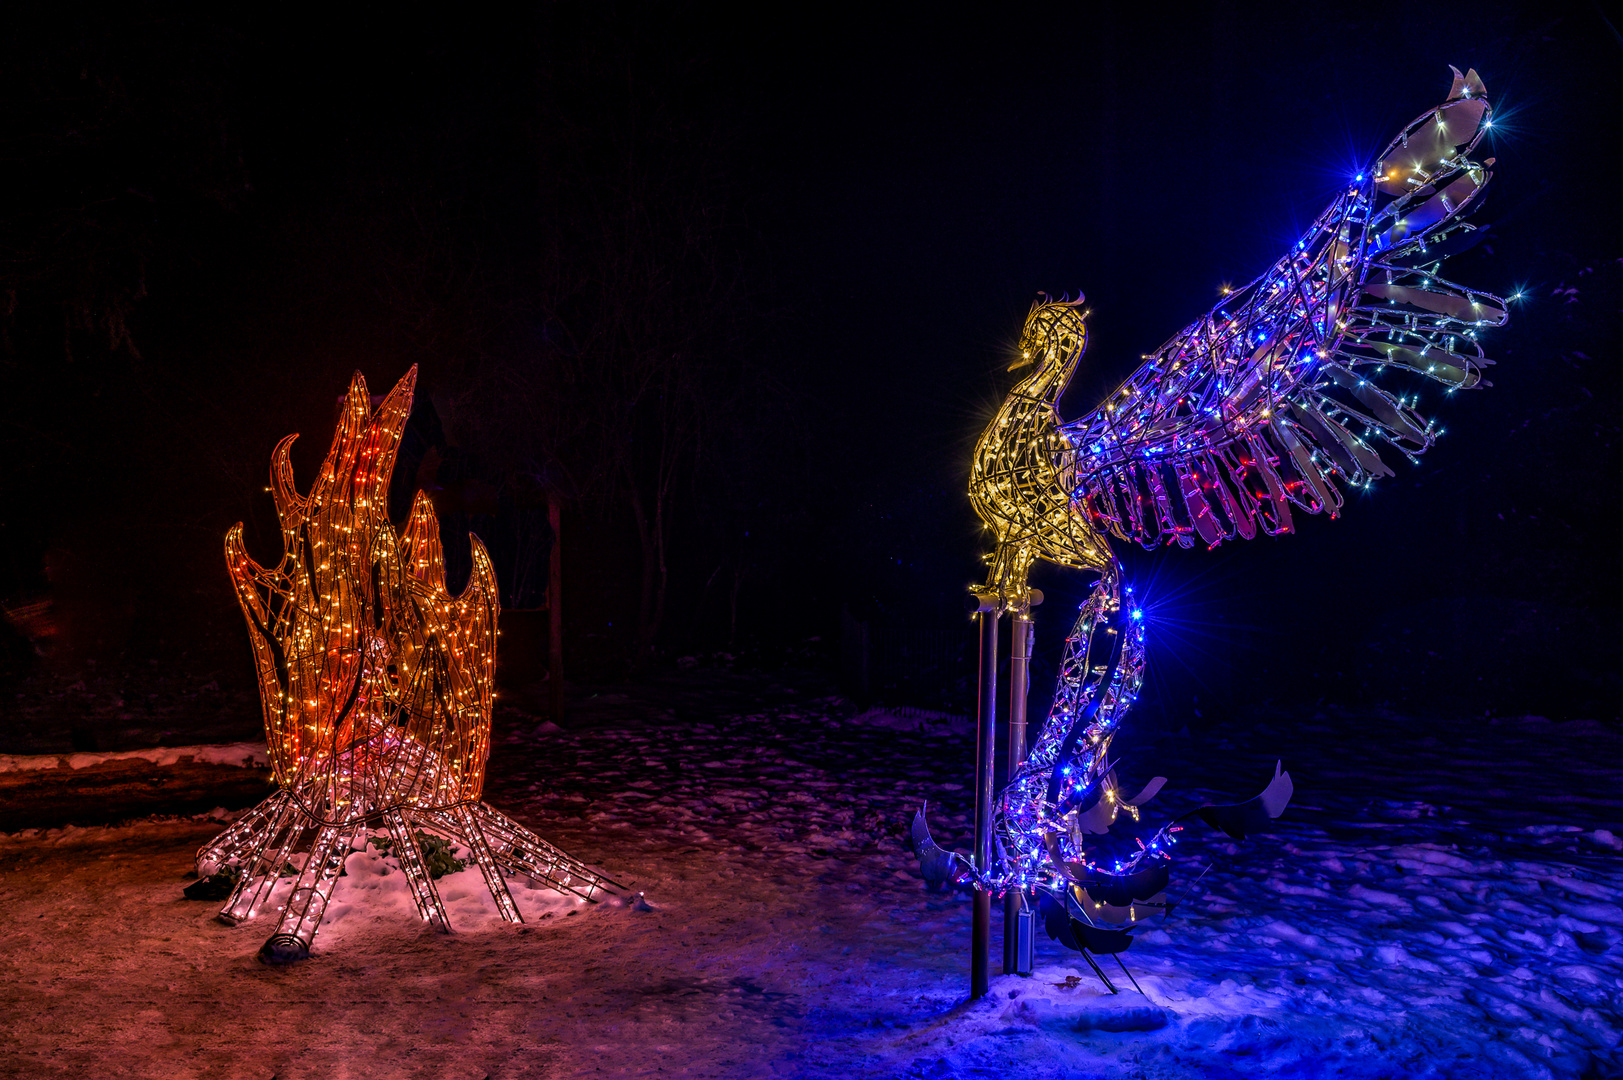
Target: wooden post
pixel 555 612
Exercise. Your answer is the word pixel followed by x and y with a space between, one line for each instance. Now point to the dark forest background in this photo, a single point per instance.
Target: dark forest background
pixel 738 287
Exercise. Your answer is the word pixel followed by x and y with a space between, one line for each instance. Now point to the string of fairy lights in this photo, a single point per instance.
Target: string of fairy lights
pixel 1273 396
pixel 1021 477
pixel 1272 400
pixel 377 688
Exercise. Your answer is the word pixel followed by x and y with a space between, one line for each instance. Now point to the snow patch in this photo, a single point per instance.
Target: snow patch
pixel 245 755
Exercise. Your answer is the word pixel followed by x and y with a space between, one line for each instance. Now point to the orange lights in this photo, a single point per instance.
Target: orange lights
pixel 376 686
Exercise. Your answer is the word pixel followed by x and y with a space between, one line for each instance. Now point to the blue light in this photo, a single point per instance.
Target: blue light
pixel 1137 613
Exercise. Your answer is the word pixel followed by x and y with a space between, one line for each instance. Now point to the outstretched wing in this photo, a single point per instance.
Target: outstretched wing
pixel 1272 398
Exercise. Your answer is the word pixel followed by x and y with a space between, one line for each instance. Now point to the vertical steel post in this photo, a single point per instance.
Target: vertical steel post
pixel 1018 958
pixel 1020 633
pixel 985 743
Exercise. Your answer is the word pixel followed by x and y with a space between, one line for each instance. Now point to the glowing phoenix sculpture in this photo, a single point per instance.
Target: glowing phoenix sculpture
pixel 1276 399
pixel 377 689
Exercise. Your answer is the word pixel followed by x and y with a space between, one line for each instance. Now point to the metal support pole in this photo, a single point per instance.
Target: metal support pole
pixel 1021 633
pixel 985 743
pixel 1018 918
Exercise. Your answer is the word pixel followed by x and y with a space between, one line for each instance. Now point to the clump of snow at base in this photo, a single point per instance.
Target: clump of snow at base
pixel 373 885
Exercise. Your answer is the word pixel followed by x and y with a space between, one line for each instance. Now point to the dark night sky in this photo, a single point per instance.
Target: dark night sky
pixel 268 206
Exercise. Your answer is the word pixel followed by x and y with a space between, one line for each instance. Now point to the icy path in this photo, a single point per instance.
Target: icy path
pixel 1432 905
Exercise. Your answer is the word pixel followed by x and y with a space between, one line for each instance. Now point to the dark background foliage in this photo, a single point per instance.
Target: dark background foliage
pixel 739 290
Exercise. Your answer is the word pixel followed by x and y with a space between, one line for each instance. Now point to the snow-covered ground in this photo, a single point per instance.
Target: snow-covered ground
pixel 242 755
pixel 1441 899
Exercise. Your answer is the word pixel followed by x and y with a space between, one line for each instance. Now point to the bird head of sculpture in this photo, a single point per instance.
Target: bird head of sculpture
pixel 1054 338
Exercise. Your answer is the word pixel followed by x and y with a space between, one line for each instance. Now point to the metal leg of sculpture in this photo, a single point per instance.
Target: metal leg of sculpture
pixel 1099 971
pixel 259 869
pixel 226 849
pixel 985 740
pixel 474 837
pixel 523 852
pixel 406 849
pixel 1129 974
pixel 1018 943
pixel 306 905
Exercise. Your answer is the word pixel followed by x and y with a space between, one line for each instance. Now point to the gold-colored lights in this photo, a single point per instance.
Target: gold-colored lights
pixel 1021 459
pixel 376 687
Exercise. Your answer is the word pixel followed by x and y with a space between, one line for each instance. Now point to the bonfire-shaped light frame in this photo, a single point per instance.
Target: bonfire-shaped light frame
pixel 377 688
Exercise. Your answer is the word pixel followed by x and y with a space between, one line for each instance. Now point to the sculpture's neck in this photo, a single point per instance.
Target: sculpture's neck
pixel 1055 366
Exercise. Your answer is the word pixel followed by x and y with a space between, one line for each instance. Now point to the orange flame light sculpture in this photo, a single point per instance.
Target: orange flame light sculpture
pixel 377 688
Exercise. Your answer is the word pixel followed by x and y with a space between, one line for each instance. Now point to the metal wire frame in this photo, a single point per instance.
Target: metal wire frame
pixel 1266 402
pixel 264 854
pixel 523 852
pixel 423 892
pixel 377 688
pixel 1041 844
pixel 1272 397
pixel 1019 481
pixel 1099 679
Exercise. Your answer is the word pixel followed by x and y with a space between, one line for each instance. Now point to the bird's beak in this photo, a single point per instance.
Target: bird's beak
pixel 1025 358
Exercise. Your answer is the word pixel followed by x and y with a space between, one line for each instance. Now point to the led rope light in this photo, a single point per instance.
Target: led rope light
pixel 1270 400
pixel 377 688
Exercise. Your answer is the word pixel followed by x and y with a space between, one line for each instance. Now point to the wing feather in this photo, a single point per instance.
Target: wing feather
pixel 1274 397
